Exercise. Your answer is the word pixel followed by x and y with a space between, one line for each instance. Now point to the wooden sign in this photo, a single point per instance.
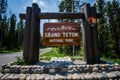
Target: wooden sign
pixel 61 34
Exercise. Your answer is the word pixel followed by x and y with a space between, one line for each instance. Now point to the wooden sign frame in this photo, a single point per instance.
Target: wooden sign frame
pixel 32 32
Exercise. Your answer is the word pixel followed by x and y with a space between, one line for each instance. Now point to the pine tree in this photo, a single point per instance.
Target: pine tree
pixel 41 41
pixel 108 27
pixel 12 32
pixel 65 6
pixel 101 26
pixel 112 14
pixel 6 35
pixel 69 6
pixel 62 6
pixel 20 33
pixel 116 26
pixel 3 8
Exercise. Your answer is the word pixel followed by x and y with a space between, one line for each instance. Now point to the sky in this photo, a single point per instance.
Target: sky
pixel 19 6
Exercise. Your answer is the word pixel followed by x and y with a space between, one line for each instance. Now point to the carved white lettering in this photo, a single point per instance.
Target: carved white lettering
pixel 70 34
pixel 68 40
pixel 56 40
pixel 52 34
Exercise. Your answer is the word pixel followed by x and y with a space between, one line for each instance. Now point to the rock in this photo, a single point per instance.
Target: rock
pixel 12 77
pixel 74 70
pixel 69 77
pixel 98 75
pixel 117 73
pixel 15 77
pixel 81 76
pixel 36 71
pixel 49 77
pixel 103 69
pixel 104 74
pixel 116 64
pixel 59 77
pixel 75 76
pixel 7 71
pixel 117 68
pixel 96 65
pixel 70 67
pixel 52 77
pixel 53 59
pixel 23 70
pixel 46 70
pixel 4 76
pixel 111 76
pixel 13 66
pixel 45 75
pixel 33 77
pixel 64 70
pixel 22 76
pixel 17 71
pixel 39 77
pixel 52 71
pixel 28 77
pixel 1 74
pixel 0 69
pixel 95 69
pixel 94 76
pixel 110 68
pixel 104 65
pixel 60 59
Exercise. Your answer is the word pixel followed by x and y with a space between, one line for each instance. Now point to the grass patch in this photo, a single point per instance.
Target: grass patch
pixel 9 51
pixel 81 53
pixel 55 53
pixel 78 56
pixel 114 60
pixel 81 58
pixel 50 54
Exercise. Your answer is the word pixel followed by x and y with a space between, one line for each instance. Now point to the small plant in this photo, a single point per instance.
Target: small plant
pixel 77 58
pixel 73 59
pixel 19 61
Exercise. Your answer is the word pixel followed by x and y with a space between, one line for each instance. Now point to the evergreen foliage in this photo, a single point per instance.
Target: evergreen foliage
pixel 11 32
pixel 67 6
pixel 3 17
pixel 109 28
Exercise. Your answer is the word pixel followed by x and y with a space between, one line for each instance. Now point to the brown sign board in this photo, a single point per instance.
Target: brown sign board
pixel 61 34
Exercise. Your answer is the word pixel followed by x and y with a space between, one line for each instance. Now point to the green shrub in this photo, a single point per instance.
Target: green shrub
pixel 19 61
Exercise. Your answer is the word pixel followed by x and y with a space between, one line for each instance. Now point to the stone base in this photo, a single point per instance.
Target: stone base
pixel 81 71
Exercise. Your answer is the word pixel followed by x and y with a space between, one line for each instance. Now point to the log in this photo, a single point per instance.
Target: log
pixel 27 34
pixel 59 15
pixel 88 44
pixel 34 35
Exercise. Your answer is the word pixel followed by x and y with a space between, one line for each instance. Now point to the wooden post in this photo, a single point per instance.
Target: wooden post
pixel 27 34
pixel 34 35
pixel 88 45
pixel 95 38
